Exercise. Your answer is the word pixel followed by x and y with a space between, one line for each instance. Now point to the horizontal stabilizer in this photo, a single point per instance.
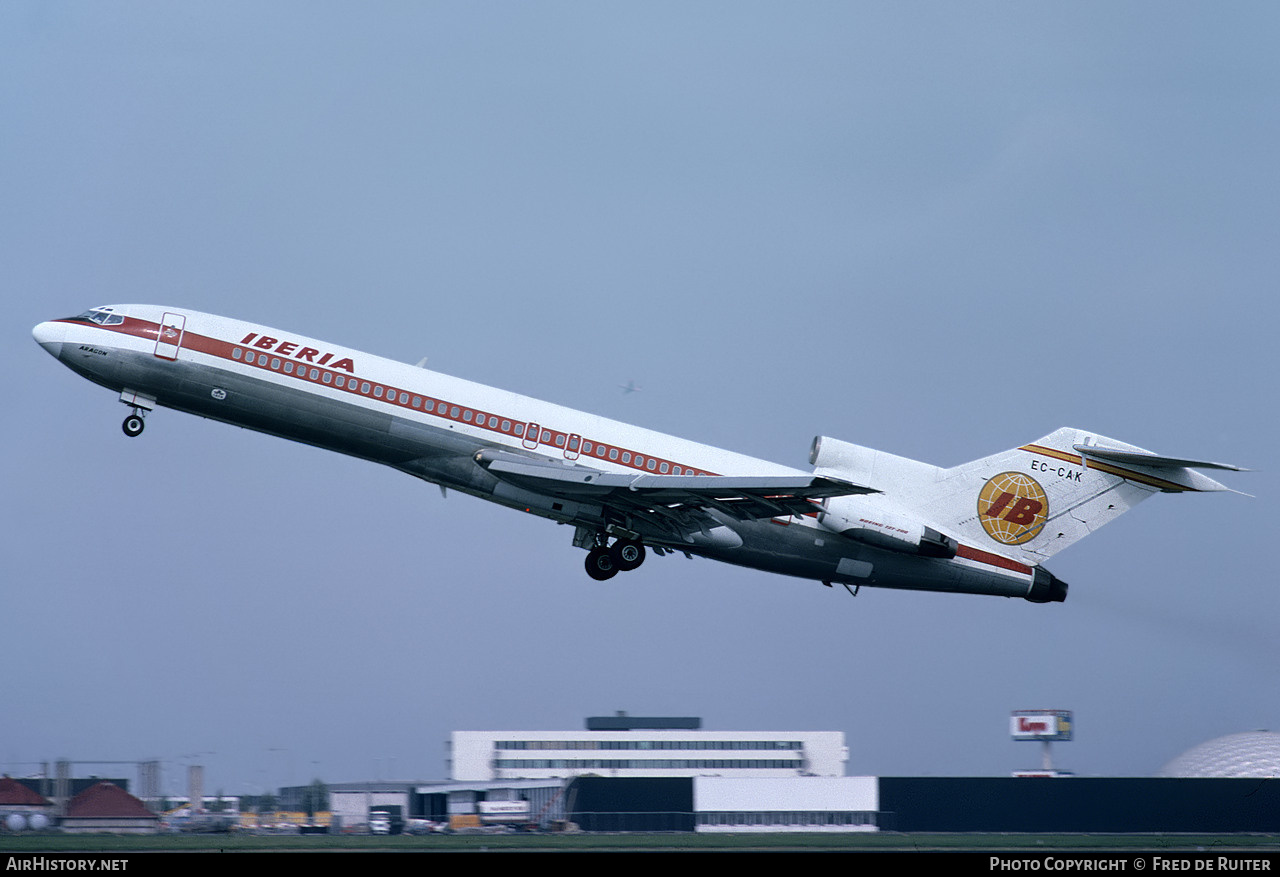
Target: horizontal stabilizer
pixel 1153 460
pixel 1169 474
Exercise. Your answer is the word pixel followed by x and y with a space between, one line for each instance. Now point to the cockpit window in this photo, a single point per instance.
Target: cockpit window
pixel 102 316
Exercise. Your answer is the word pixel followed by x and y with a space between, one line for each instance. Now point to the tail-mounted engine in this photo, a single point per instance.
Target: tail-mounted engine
pixel 865 519
pixel 873 519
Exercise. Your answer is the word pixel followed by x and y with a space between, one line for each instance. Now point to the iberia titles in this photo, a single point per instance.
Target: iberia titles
pixel 297 351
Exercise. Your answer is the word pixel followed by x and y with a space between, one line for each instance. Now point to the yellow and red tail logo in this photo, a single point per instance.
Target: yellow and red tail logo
pixel 1013 508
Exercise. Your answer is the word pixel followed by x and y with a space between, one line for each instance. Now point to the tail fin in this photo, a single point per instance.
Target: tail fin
pixel 1033 501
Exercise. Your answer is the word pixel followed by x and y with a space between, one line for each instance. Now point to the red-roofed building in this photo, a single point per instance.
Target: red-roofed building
pixel 107 807
pixel 19 800
pixel 16 796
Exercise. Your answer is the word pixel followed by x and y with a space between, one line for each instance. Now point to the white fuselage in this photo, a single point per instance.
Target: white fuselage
pixel 433 426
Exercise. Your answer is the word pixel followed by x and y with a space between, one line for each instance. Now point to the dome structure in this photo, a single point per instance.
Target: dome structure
pixel 1251 754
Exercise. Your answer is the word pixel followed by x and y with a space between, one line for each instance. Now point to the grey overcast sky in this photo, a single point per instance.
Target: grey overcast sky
pixel 939 229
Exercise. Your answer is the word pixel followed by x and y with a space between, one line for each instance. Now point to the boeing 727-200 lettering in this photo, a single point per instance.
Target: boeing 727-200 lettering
pixel 860 517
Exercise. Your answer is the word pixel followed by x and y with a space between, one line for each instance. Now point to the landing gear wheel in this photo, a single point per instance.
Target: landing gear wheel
pixel 627 555
pixel 133 425
pixel 600 564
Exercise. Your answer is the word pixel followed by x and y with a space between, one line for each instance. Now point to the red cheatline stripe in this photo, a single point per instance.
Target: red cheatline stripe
pixel 990 559
pixel 464 414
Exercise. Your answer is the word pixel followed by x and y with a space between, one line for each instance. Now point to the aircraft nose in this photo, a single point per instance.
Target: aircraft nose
pixel 50 336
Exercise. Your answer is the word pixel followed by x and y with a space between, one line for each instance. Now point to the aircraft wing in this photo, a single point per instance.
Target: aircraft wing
pixel 674 499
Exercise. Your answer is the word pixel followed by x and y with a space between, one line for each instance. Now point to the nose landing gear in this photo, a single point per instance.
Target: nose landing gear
pixel 139 404
pixel 133 424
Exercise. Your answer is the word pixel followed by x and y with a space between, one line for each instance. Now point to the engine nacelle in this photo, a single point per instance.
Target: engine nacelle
pixel 868 466
pixel 1046 587
pixel 865 519
pixel 830 453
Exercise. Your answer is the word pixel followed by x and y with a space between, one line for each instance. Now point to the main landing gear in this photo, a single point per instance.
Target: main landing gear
pixel 623 555
pixel 134 423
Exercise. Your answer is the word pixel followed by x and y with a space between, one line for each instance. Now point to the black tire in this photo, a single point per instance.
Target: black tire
pixel 627 555
pixel 133 425
pixel 600 564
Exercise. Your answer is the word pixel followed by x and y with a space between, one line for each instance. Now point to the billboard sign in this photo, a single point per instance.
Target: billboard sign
pixel 1043 725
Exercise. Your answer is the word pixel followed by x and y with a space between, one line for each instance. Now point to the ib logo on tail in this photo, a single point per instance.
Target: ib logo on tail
pixel 1013 508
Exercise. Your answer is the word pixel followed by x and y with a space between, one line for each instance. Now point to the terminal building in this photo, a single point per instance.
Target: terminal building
pixel 637 747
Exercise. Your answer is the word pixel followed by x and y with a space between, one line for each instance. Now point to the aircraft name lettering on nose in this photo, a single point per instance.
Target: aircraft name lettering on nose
pixel 297 351
pixel 1061 471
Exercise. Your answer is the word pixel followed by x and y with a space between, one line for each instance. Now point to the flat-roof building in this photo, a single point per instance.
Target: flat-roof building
pixel 645 747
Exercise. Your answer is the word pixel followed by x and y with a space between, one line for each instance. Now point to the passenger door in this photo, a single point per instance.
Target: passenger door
pixel 169 338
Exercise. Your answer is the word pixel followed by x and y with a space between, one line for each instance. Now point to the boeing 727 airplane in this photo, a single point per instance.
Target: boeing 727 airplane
pixel 860 517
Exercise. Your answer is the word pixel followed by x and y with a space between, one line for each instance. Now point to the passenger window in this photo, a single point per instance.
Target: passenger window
pixel 559 441
pixel 613 453
pixel 315 373
pixel 417 401
pixel 364 388
pixel 466 415
pixel 663 468
pixel 650 465
pixel 626 457
pixel 275 364
pixel 236 353
pixel 506 426
pixel 342 381
pixel 288 368
pixel 453 412
pixel 328 377
pixel 377 392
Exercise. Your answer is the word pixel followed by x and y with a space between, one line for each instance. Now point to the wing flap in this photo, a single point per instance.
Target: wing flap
pixel 747 497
